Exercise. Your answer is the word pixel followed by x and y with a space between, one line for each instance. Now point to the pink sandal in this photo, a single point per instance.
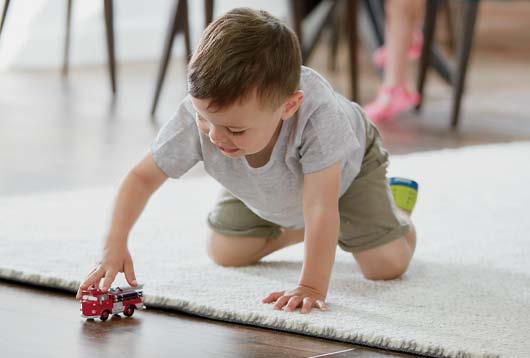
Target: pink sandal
pixel 379 57
pixel 390 102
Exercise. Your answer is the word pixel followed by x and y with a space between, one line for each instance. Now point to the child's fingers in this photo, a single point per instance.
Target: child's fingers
pixel 293 303
pixel 307 305
pixel 109 279
pixel 282 301
pixel 322 305
pixel 273 297
pixel 78 295
pixel 93 278
pixel 128 270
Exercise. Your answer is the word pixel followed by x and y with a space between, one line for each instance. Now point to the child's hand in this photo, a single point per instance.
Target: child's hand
pixel 114 260
pixel 306 297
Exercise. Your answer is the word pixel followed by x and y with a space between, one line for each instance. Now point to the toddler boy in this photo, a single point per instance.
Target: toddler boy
pixel 299 162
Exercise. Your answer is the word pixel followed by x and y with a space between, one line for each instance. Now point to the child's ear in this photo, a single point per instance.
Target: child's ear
pixel 292 103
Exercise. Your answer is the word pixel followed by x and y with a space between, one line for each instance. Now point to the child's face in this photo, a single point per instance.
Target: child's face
pixel 246 127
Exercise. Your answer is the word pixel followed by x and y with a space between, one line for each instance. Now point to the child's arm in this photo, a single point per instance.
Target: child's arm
pixel 321 216
pixel 139 184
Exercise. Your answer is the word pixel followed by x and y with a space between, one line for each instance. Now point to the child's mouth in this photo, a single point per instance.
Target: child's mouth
pixel 228 150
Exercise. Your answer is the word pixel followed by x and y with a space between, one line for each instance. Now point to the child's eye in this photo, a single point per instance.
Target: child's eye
pixel 236 133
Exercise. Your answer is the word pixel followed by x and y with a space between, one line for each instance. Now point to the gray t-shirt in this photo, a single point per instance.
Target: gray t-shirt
pixel 327 128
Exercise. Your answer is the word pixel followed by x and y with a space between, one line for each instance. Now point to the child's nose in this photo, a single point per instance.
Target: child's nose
pixel 216 135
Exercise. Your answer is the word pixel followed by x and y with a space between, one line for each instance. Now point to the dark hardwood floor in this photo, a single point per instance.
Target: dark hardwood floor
pixel 59 134
pixel 43 323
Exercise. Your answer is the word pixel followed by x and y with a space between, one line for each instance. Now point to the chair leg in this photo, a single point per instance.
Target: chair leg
pixel 446 6
pixel 109 30
pixel 174 26
pixel 352 15
pixel 376 20
pixel 67 37
pixel 208 12
pixel 4 15
pixel 335 29
pixel 470 15
pixel 185 28
pixel 296 14
pixel 428 36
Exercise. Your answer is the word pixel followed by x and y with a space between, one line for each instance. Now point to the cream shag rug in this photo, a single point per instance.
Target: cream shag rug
pixel 466 294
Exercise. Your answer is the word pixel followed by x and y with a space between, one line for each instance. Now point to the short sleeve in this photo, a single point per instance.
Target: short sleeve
pixel 177 146
pixel 328 137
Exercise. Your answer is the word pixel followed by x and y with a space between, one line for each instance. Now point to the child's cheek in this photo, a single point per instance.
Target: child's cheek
pixel 239 142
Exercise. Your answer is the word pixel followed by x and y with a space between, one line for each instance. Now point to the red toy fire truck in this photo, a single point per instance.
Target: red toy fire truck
pixel 97 303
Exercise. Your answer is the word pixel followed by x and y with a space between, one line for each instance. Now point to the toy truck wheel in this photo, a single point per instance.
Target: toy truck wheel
pixel 129 311
pixel 104 315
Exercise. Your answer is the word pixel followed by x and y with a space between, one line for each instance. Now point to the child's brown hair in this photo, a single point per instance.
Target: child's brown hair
pixel 241 52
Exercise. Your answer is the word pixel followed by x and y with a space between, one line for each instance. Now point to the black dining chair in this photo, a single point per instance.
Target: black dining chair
pixel 463 50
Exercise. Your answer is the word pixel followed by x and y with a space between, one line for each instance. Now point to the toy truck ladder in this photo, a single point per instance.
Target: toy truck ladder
pixel 126 293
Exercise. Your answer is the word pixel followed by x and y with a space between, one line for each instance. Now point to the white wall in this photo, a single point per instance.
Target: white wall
pixel 33 34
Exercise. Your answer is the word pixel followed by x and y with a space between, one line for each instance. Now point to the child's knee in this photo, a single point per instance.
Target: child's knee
pixel 231 251
pixel 386 270
pixel 386 262
pixel 218 248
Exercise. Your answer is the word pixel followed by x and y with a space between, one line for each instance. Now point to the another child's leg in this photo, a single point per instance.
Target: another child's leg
pixel 401 22
pixel 242 251
pixel 394 95
pixel 419 15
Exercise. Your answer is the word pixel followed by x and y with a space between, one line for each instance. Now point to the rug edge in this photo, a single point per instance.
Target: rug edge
pixel 379 342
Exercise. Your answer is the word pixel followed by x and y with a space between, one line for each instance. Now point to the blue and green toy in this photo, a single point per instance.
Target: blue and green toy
pixel 405 192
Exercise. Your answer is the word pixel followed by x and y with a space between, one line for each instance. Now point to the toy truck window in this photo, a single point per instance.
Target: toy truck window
pixel 89 298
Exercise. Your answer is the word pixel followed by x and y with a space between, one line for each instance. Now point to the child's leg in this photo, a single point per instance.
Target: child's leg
pixel 375 220
pixel 391 260
pixel 240 237
pixel 242 251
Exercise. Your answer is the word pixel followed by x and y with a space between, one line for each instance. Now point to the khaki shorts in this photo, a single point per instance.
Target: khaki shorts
pixel 368 215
